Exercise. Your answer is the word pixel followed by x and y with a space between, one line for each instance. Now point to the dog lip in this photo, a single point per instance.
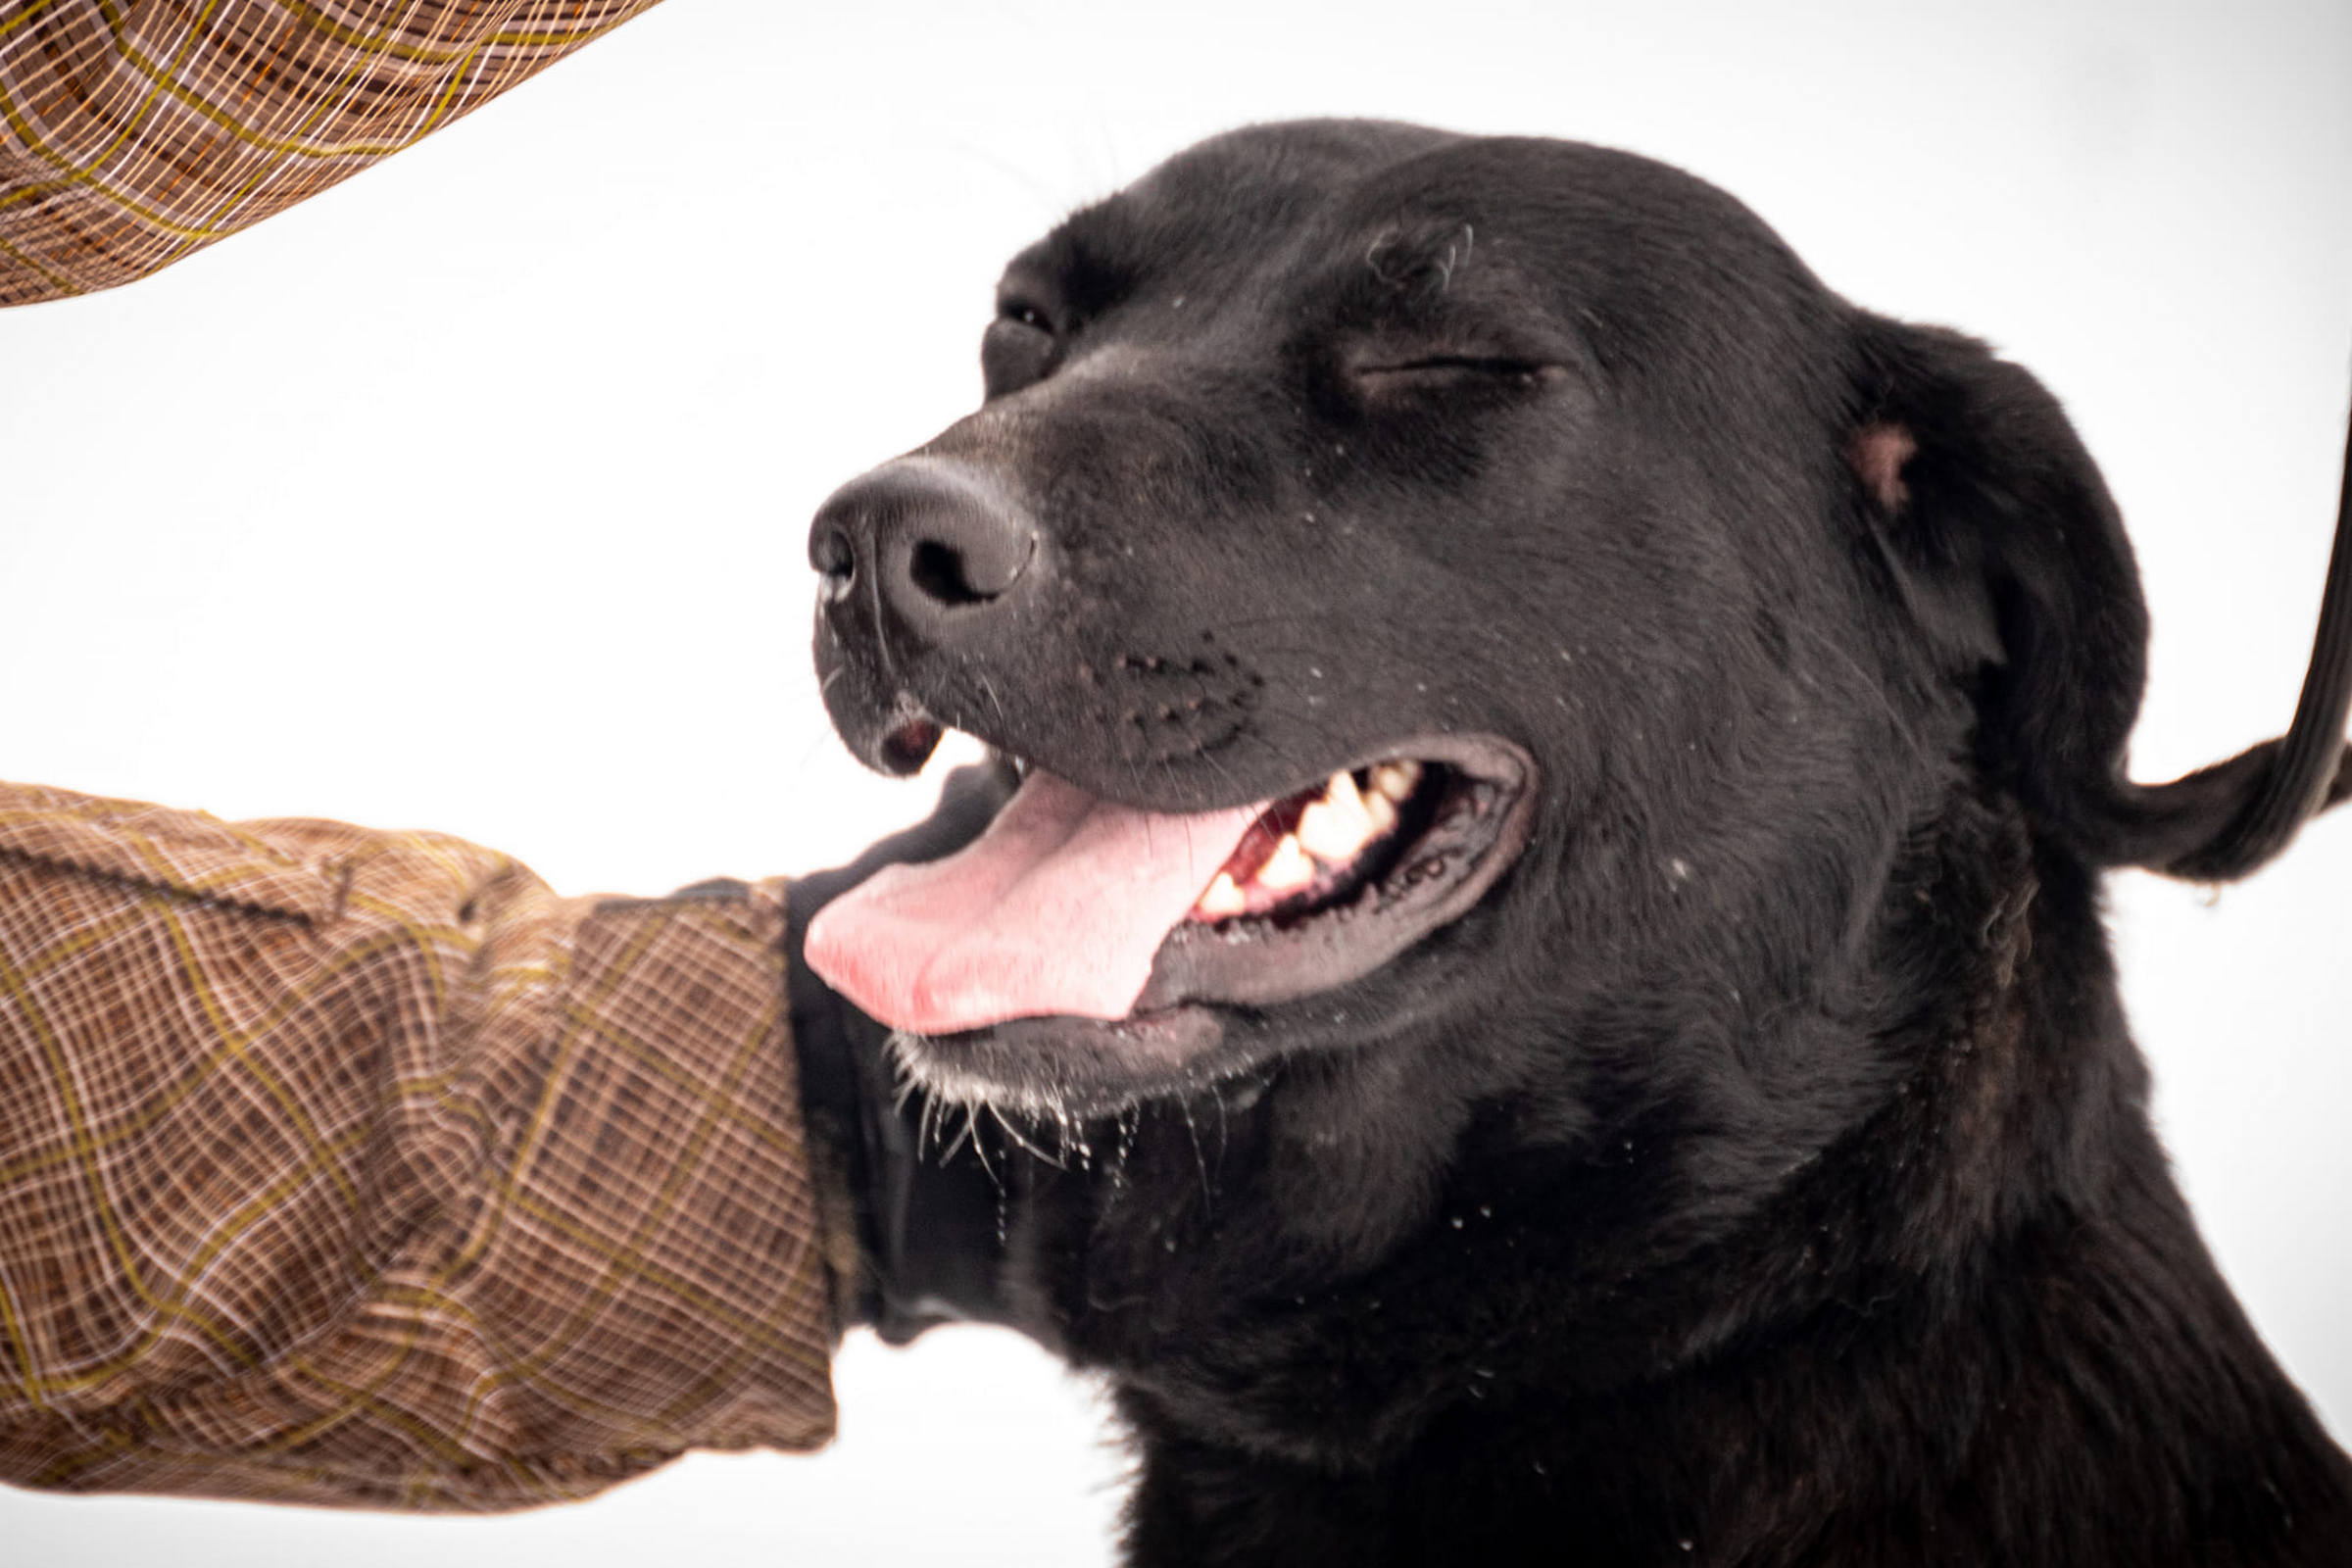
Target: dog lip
pixel 1061 1066
pixel 897 740
pixel 908 745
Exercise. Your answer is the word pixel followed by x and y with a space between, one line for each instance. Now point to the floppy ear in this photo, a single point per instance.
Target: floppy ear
pixel 2008 551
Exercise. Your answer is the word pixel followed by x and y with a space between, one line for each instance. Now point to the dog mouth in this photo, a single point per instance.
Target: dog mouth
pixel 1075 917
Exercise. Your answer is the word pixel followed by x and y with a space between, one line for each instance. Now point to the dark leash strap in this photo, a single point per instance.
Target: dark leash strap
pixel 2310 768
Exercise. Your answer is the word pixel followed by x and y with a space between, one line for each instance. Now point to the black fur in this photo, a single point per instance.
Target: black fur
pixel 1762 1173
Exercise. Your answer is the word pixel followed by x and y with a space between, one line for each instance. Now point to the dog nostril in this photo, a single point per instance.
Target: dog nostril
pixel 968 555
pixel 939 571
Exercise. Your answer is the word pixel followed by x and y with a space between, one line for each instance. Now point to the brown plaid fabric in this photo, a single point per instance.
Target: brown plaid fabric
pixel 134 131
pixel 346 1167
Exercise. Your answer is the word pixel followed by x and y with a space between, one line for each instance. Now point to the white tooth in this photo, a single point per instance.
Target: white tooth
pixel 1381 810
pixel 1287 868
pixel 1334 828
pixel 1222 899
pixel 1396 780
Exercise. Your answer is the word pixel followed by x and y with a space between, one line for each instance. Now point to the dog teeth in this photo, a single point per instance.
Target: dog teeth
pixel 1338 826
pixel 1224 898
pixel 1331 832
pixel 1288 868
pixel 1396 781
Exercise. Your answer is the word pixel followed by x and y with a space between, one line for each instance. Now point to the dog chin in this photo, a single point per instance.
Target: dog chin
pixel 1060 1069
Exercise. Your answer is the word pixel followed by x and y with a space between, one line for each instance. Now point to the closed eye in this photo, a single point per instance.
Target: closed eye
pixel 1436 369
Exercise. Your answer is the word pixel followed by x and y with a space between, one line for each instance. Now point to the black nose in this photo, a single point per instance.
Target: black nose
pixel 942 540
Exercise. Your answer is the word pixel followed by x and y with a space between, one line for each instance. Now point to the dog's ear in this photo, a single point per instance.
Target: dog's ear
pixel 2009 555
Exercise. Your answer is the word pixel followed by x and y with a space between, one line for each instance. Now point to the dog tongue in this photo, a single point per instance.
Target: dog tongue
pixel 1057 908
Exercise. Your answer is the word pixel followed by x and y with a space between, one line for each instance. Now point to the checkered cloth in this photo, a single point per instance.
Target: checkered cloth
pixel 346 1167
pixel 134 131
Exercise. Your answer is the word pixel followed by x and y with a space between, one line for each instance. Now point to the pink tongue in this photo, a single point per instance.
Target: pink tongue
pixel 1057 908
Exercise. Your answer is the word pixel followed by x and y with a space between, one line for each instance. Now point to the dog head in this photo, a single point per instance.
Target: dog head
pixel 1446 589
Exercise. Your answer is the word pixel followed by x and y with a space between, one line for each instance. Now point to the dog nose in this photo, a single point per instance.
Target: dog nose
pixel 941 539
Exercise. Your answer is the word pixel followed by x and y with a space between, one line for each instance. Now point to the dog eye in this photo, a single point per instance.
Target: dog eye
pixel 1017 350
pixel 1451 372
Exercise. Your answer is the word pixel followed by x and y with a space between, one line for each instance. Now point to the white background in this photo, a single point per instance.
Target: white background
pixel 472 495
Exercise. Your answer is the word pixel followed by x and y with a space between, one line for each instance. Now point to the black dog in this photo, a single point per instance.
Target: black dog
pixel 1647 1083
